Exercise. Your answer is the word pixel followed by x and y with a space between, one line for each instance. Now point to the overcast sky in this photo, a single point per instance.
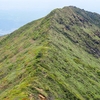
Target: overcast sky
pixel 24 11
pixel 45 5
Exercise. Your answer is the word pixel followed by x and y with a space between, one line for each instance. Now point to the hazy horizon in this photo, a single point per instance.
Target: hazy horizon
pixel 15 14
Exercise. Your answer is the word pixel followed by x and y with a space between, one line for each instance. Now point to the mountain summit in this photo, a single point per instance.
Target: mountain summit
pixel 54 58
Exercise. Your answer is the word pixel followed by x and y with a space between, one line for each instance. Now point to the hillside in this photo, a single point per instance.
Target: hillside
pixel 2 37
pixel 54 58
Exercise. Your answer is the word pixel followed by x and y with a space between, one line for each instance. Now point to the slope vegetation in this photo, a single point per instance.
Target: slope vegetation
pixel 54 58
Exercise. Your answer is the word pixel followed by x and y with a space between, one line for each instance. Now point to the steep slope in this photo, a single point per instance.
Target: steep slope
pixel 53 58
pixel 2 37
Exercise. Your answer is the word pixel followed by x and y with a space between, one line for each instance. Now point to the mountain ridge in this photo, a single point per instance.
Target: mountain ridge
pixel 54 58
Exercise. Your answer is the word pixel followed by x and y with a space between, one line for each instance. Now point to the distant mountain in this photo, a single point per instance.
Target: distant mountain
pixel 54 58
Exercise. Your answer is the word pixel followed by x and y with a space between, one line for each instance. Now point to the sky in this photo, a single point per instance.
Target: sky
pixel 15 13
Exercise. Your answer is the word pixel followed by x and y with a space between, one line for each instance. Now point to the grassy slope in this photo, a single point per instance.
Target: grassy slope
pixel 51 57
pixel 2 37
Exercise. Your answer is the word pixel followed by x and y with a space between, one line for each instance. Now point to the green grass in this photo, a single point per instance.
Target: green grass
pixel 56 56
